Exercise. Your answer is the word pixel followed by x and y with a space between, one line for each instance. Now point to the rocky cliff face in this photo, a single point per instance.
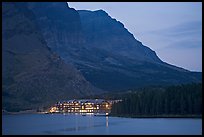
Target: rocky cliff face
pixel 105 33
pixel 34 76
pixel 125 60
pixel 60 25
pixel 104 51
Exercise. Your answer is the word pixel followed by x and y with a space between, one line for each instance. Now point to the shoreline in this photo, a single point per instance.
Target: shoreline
pixel 111 115
pixel 157 116
pixel 22 112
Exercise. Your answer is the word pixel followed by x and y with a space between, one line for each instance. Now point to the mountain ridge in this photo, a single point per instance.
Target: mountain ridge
pixel 33 76
pixel 108 54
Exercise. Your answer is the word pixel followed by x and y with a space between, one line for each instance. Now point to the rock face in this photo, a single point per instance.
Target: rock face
pixel 104 51
pixel 34 76
pixel 105 33
pixel 126 61
pixel 60 25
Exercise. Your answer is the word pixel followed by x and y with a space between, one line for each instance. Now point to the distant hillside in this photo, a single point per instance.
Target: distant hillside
pixel 34 76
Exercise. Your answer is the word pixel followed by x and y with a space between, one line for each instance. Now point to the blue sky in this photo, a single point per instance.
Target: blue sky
pixel 172 29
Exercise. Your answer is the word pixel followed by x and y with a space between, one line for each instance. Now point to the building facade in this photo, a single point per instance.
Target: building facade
pixel 83 106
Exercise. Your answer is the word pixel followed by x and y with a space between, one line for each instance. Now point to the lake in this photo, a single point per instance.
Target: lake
pixel 70 124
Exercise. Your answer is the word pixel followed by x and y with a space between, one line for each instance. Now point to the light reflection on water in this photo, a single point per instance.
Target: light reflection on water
pixel 77 124
pixel 90 124
pixel 106 121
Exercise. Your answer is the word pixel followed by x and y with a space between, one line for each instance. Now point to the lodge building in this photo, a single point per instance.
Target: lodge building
pixel 83 106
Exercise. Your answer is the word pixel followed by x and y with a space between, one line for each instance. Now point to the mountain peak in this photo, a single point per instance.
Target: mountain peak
pixel 95 12
pixel 68 5
pixel 101 12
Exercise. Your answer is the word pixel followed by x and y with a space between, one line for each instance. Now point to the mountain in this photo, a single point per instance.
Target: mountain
pixel 105 33
pixel 32 75
pixel 60 24
pixel 103 50
pixel 129 61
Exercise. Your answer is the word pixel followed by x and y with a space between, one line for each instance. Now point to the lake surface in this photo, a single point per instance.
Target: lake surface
pixel 70 124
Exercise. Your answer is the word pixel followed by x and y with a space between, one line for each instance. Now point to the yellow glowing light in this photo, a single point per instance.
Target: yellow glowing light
pixel 53 109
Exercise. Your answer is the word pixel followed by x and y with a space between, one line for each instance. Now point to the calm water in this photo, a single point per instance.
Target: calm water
pixel 78 124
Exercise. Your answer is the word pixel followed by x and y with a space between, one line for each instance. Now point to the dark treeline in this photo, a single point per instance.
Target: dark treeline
pixel 173 100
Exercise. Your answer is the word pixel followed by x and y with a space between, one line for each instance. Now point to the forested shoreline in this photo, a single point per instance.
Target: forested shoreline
pixel 173 101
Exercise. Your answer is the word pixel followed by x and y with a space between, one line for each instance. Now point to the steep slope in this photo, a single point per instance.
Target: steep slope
pixel 105 33
pixel 132 63
pixel 33 76
pixel 104 51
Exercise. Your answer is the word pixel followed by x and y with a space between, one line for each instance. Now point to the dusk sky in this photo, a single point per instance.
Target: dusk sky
pixel 172 29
